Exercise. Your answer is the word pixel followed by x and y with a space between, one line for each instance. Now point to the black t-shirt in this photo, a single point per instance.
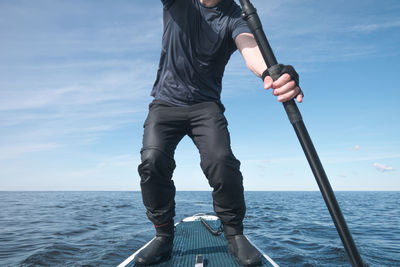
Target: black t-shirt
pixel 196 45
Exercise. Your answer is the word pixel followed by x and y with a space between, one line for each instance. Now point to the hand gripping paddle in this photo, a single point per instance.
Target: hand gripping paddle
pixel 251 17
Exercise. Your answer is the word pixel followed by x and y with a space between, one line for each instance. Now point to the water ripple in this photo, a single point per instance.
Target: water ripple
pixel 103 228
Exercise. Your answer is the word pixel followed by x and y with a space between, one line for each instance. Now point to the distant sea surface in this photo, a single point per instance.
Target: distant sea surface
pixel 104 228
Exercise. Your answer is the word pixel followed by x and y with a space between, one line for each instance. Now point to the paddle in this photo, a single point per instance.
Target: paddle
pixel 250 15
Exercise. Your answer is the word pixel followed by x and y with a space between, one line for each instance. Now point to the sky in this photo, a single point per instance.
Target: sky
pixel 76 76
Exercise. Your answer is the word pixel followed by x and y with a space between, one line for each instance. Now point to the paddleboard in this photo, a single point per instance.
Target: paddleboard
pixel 196 246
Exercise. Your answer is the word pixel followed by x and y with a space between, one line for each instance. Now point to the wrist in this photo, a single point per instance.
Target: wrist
pixel 264 74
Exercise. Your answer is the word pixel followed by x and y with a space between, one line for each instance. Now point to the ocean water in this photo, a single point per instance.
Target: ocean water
pixel 104 228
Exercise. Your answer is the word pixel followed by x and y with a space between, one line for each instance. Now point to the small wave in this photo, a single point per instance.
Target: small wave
pixel 103 228
pixel 51 255
pixel 76 232
pixel 123 206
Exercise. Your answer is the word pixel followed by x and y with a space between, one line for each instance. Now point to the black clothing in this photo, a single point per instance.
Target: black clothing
pixel 206 125
pixel 244 252
pixel 196 45
pixel 159 249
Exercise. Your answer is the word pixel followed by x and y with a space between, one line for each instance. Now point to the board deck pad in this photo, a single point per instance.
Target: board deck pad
pixel 191 239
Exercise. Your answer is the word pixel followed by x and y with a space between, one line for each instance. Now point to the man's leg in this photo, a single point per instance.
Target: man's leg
pixel 208 130
pixel 163 130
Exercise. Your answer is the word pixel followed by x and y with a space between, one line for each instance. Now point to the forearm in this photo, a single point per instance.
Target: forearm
pixel 285 88
pixel 247 46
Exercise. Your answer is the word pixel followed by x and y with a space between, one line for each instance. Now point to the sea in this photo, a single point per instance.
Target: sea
pixel 104 228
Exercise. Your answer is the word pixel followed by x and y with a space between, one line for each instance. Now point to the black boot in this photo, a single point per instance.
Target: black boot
pixel 160 248
pixel 244 252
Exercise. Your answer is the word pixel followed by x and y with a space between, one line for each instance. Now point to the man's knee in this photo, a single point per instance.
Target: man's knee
pixel 155 165
pixel 219 159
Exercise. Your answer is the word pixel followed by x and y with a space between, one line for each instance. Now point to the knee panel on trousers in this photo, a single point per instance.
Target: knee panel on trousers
pixel 221 165
pixel 158 190
pixel 155 165
pixel 223 172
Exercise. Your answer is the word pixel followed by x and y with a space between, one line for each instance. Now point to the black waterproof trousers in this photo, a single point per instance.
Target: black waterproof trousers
pixel 206 125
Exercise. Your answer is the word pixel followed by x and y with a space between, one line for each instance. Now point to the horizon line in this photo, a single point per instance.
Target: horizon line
pixel 196 191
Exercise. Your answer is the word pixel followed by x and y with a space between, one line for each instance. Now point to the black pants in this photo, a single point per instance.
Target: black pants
pixel 206 125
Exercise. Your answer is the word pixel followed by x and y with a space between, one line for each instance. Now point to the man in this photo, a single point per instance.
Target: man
pixel 199 38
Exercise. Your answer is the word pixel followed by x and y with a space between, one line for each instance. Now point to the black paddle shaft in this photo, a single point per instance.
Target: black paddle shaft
pixel 250 15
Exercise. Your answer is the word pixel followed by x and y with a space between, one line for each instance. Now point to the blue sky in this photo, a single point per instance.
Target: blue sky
pixel 75 78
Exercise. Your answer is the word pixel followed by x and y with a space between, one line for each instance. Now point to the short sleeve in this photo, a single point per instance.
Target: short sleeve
pixel 239 26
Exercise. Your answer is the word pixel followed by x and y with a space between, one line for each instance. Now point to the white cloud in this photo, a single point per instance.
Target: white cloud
pixel 113 85
pixel 10 152
pixel 346 158
pixel 383 168
pixel 72 83
pixel 78 111
pixel 258 161
pixel 356 147
pixel 275 160
pixel 338 36
pixel 108 166
pixel 367 28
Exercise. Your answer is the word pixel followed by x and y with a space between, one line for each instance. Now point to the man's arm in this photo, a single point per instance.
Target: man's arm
pixel 284 88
